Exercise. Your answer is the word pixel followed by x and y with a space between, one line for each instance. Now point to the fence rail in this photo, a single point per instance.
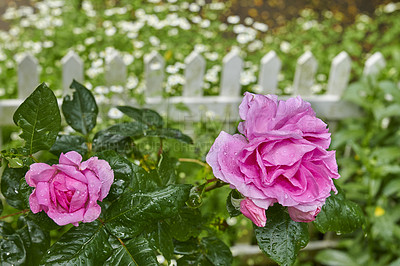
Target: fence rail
pixel 224 106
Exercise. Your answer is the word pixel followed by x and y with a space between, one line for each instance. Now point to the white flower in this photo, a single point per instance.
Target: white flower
pixel 172 69
pixel 205 23
pixel 233 19
pixel 260 26
pixel 173 32
pixel 110 31
pixel 117 89
pixel 132 82
pixel 223 27
pixel 285 47
pixel 101 90
pixel 212 56
pixel 193 7
pixel 196 19
pixel 217 5
pixel 128 58
pixel 248 21
pixel 154 41
pixel 254 46
pixel 90 40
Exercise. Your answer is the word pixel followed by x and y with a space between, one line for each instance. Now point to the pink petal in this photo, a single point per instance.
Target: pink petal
pixel 70 158
pixel 253 212
pixel 39 172
pixel 104 173
pixel 92 213
pixel 33 202
pixel 43 193
pixel 94 187
pixel 71 171
pixel 66 218
pixel 222 157
pixel 287 152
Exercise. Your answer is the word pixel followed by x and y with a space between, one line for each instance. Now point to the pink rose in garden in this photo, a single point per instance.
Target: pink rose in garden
pixel 68 192
pixel 280 157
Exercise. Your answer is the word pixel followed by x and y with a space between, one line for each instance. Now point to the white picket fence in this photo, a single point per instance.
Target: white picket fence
pixel 225 106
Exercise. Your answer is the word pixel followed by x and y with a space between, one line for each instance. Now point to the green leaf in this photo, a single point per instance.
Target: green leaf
pixel 208 251
pixel 234 197
pixel 123 172
pixel 167 169
pixel 169 133
pixel 66 143
pixel 10 187
pixel 35 240
pixel 161 239
pixel 335 258
pixel 12 250
pixel 216 251
pixel 145 116
pixel 39 118
pixel 281 238
pixel 186 224
pixel 196 259
pixel 136 251
pixel 81 110
pixel 1 206
pixel 104 140
pixel 44 221
pixel 339 215
pixel 86 244
pixel 131 213
pixel 132 129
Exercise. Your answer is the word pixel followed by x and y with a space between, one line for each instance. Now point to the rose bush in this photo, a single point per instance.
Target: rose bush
pixel 68 192
pixel 280 157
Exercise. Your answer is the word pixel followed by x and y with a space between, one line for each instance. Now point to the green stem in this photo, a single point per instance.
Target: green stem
pixel 216 185
pixel 190 160
pixel 36 160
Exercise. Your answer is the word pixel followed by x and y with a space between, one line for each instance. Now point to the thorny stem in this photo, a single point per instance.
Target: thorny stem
pixel 190 160
pixel 13 214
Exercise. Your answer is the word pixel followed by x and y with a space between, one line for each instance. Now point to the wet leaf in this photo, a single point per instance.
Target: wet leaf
pixel 136 251
pixel 39 118
pixel 133 212
pixel 281 238
pixel 86 244
pixel 145 116
pixel 66 143
pixel 81 110
pixel 339 215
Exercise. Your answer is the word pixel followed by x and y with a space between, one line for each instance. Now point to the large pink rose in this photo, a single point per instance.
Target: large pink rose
pixel 281 156
pixel 68 192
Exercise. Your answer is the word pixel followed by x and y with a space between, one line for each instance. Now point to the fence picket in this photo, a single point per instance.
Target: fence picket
pixel 269 71
pixel 28 75
pixel 194 73
pixel 230 79
pixel 339 74
pixel 154 74
pixel 72 68
pixel 115 72
pixel 304 75
pixel 374 64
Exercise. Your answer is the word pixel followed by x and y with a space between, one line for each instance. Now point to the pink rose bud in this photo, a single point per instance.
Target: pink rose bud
pixel 253 212
pixel 280 156
pixel 68 192
pixel 303 216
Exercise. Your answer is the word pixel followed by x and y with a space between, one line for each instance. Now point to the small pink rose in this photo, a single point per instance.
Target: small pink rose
pixel 68 192
pixel 253 212
pixel 280 156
